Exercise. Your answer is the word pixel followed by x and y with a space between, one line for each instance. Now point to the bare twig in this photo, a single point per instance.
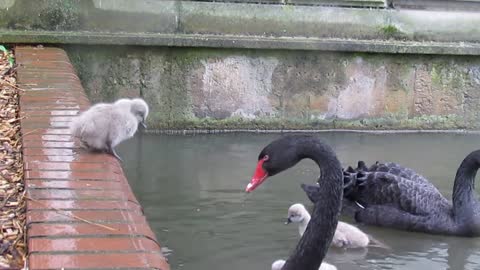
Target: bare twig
pixel 59 211
pixel 14 86
pixel 15 119
pixel 5 201
pixel 8 71
pixel 30 132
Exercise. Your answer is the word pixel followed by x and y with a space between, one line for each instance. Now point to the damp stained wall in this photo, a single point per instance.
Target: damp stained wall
pixel 225 65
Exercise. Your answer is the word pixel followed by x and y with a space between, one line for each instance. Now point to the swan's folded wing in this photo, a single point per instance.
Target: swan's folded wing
pixel 384 188
pixel 399 170
pixel 392 217
pixel 387 216
pixel 352 176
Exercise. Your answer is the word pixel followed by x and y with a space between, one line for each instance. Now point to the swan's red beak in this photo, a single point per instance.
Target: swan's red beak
pixel 258 177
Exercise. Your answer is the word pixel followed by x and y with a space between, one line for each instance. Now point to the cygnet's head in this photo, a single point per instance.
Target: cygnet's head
pixel 123 102
pixel 278 264
pixel 296 213
pixel 139 108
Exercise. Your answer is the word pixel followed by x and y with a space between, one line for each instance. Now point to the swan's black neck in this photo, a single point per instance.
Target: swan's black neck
pixel 464 187
pixel 313 245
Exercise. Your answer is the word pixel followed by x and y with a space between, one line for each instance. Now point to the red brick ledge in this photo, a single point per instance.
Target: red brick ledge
pixel 81 213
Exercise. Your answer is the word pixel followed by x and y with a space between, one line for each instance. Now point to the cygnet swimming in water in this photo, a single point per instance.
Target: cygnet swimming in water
pixel 346 235
pixel 105 125
pixel 278 264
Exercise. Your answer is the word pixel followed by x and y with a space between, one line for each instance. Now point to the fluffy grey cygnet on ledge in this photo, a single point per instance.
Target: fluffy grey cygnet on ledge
pixel 105 125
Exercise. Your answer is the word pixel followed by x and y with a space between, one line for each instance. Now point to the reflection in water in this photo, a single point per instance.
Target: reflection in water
pixel 191 188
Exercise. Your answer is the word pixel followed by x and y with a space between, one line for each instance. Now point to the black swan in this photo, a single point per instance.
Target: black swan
pixel 103 126
pixel 278 264
pixel 284 153
pixel 390 195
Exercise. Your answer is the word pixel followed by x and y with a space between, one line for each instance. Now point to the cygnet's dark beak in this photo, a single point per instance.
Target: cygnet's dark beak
pixel 288 221
pixel 143 124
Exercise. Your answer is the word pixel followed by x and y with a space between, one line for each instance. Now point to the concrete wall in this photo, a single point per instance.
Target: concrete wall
pixel 239 25
pixel 230 88
pixel 269 66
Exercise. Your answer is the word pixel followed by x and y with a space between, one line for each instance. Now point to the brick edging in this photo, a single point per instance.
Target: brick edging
pixel 81 211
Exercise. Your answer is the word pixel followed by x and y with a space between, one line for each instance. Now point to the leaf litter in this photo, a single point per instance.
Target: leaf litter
pixel 13 249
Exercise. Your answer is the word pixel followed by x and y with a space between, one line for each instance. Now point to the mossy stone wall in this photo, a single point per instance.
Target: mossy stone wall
pixel 198 88
pixel 267 66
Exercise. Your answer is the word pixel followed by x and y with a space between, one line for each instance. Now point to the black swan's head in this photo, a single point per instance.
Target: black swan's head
pixel 276 157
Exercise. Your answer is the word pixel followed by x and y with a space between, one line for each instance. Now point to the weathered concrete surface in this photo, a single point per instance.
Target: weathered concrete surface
pixel 190 88
pixel 239 25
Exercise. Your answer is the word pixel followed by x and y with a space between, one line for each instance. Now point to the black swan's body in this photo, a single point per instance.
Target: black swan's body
pixel 284 153
pixel 393 196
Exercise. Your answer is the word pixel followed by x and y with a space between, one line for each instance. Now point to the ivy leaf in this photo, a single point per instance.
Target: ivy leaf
pixel 3 49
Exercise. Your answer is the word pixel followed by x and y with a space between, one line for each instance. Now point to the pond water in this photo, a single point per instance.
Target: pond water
pixel 192 190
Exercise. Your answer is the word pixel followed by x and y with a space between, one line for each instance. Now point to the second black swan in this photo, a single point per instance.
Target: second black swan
pixel 389 195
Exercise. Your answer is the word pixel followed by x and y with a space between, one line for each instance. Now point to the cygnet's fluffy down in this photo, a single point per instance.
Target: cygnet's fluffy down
pixel 346 235
pixel 105 125
pixel 278 264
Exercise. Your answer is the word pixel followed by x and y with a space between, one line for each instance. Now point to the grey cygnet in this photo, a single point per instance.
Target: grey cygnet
pixel 105 125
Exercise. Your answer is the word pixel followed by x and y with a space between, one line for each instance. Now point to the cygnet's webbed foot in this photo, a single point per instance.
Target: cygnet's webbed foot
pixel 84 145
pixel 112 152
pixel 117 156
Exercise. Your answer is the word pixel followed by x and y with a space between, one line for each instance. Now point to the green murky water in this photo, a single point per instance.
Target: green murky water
pixel 192 190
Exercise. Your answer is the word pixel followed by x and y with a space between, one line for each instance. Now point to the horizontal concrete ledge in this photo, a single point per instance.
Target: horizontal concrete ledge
pixel 240 25
pixel 273 131
pixel 248 42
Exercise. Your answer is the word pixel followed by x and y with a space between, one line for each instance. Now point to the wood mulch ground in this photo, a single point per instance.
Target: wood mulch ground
pixel 12 190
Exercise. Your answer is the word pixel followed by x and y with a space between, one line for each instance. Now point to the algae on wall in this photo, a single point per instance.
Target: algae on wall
pixel 109 73
pixel 190 88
